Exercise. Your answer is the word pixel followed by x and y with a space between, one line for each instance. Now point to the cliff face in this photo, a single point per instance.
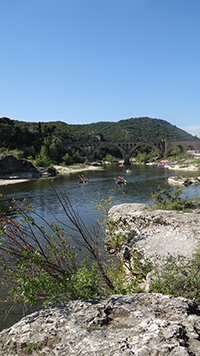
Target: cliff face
pixel 137 324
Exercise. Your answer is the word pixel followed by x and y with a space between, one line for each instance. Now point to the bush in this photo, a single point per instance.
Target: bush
pixel 178 276
pixel 16 153
pixel 43 161
pixel 172 200
pixel 41 284
pixel 4 151
pixel 45 266
pixel 141 158
pixel 109 158
pixel 48 272
pixel 151 156
pixel 67 159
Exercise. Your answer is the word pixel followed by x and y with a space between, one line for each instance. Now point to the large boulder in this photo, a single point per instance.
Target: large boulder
pixel 48 171
pixel 11 167
pixel 131 324
pixel 158 232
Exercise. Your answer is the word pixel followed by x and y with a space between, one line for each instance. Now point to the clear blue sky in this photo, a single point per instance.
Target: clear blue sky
pixel 84 61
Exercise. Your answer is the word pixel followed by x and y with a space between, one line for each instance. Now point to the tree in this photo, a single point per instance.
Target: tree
pixel 141 157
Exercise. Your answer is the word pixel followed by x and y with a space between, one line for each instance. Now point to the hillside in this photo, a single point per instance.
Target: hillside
pixel 142 128
pixel 46 141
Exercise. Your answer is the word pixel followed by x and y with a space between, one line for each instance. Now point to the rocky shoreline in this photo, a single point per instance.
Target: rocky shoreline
pixel 183 181
pixel 187 166
pixel 132 324
pixel 13 170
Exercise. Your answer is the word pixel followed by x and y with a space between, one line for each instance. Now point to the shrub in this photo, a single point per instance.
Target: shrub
pixel 178 276
pixel 67 159
pixel 43 265
pixel 141 158
pixel 109 158
pixel 43 161
pixel 172 200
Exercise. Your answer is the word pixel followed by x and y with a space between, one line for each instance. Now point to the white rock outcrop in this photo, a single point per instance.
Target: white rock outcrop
pixel 158 232
pixel 137 324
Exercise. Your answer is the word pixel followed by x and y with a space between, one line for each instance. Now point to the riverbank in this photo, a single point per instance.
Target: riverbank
pixel 75 169
pixel 4 182
pixel 60 169
pixel 185 167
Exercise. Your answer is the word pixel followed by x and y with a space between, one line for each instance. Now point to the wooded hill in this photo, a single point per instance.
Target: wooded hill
pixel 142 129
pixel 48 142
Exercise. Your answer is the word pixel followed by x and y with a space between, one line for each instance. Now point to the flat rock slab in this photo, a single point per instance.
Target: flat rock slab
pixel 137 324
pixel 159 232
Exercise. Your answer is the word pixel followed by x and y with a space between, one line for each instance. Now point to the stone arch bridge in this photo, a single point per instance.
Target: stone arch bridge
pixel 127 147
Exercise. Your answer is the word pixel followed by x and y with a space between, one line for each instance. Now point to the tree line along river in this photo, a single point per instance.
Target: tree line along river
pixel 141 182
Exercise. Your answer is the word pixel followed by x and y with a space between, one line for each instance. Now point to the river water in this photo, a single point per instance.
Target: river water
pixel 141 182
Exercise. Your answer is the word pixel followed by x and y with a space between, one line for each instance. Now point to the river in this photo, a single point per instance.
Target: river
pixel 141 182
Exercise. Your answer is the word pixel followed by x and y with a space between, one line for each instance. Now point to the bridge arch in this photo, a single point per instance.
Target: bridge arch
pixel 110 144
pixel 184 145
pixel 126 148
pixel 190 148
pixel 156 149
pixel 80 147
pixel 181 148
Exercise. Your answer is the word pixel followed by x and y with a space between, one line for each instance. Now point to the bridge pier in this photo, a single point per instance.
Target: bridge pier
pixel 90 157
pixel 126 158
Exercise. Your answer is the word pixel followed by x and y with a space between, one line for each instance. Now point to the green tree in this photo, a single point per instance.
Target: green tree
pixel 67 159
pixel 141 158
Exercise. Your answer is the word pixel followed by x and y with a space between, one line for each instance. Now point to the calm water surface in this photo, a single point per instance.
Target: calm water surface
pixel 140 184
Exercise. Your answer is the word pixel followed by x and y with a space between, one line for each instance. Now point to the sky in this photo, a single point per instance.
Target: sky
pixel 85 61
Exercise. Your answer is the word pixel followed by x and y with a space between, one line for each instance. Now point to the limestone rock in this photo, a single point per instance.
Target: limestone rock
pixel 157 232
pixel 131 324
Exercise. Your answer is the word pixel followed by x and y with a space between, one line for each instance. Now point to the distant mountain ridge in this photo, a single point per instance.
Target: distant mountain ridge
pixel 141 128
